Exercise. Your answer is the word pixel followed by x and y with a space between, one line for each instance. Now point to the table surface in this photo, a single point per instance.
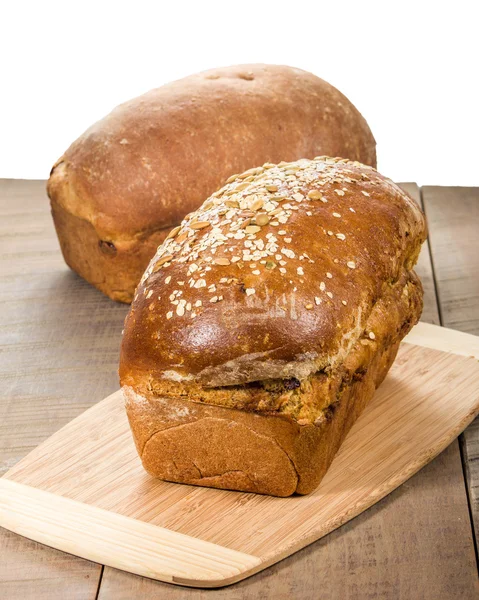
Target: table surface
pixel 59 341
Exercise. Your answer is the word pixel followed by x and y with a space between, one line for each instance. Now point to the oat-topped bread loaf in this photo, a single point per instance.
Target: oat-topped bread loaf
pixel 119 189
pixel 265 322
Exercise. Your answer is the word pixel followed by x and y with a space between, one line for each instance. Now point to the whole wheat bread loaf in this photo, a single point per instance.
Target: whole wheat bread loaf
pixel 265 322
pixel 131 177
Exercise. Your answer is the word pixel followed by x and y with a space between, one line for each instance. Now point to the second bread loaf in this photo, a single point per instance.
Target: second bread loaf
pixel 131 177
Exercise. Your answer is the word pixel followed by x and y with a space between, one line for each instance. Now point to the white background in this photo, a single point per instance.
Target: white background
pixel 410 67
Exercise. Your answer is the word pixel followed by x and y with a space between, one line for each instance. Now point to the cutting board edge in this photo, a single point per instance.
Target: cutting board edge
pixel 444 339
pixel 96 534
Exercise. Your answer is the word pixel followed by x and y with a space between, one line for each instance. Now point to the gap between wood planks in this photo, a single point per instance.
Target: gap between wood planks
pixel 100 579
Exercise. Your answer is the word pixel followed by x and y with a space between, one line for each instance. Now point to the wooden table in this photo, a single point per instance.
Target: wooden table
pixel 59 349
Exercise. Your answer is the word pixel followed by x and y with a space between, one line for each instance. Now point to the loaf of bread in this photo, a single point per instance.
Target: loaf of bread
pixel 265 322
pixel 119 189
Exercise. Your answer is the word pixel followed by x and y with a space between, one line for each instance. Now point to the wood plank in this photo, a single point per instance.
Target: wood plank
pixel 453 215
pixel 64 330
pixel 68 335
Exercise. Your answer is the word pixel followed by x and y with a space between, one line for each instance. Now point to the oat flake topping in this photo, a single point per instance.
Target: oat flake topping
pixel 253 208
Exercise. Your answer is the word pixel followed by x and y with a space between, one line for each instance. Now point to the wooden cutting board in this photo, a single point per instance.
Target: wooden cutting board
pixel 84 490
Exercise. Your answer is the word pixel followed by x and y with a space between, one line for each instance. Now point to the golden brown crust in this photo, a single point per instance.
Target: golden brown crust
pixel 156 157
pixel 227 301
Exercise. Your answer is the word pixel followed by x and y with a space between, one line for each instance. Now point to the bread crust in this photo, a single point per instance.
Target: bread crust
pixel 187 347
pixel 157 157
pixel 113 269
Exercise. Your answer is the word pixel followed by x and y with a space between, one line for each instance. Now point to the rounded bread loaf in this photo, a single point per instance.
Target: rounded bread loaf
pixel 129 178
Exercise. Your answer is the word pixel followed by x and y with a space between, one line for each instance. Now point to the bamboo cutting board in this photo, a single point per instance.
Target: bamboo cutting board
pixel 84 490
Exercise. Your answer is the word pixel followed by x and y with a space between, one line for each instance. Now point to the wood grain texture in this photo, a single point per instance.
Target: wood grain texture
pixel 52 321
pixel 438 338
pixel 453 215
pixel 72 481
pixel 409 545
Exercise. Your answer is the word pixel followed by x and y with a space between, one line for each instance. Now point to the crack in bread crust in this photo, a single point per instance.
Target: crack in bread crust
pixel 311 397
pixel 114 274
pixel 309 449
